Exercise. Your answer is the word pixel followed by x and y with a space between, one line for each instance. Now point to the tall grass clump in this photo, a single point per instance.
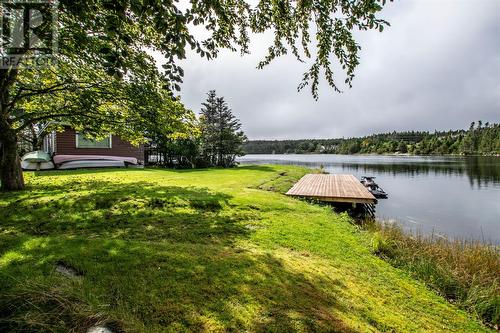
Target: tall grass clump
pixel 466 272
pixel 41 308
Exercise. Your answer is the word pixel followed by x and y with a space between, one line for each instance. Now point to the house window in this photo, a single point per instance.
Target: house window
pixel 83 142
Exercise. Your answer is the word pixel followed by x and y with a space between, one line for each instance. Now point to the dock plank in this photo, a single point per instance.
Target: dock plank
pixel 335 188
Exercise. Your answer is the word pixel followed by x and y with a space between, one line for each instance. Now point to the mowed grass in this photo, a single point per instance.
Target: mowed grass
pixel 198 250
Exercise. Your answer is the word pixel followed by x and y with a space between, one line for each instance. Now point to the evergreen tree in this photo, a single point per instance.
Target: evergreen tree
pixel 208 129
pixel 221 135
pixel 402 147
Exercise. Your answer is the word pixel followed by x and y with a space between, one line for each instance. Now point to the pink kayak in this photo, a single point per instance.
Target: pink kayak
pixel 59 159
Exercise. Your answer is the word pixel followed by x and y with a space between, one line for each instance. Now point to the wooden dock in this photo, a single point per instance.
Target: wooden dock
pixel 332 188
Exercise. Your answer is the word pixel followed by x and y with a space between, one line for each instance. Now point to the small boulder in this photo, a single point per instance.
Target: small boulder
pixel 67 270
pixel 99 329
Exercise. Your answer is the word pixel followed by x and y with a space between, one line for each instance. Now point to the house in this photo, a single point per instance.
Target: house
pixel 71 142
pixel 71 150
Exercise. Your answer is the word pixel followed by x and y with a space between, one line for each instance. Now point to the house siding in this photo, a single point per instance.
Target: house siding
pixel 66 145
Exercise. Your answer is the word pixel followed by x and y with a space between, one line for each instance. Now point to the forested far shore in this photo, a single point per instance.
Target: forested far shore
pixel 479 139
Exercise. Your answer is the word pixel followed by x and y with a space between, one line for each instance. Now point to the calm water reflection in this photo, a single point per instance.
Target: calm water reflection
pixel 457 196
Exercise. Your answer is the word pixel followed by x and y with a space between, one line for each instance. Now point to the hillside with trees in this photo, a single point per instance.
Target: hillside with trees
pixel 479 139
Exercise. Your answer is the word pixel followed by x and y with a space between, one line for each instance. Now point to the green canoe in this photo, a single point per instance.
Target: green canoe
pixel 36 156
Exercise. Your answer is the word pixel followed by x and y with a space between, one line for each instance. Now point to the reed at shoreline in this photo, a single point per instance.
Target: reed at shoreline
pixel 466 272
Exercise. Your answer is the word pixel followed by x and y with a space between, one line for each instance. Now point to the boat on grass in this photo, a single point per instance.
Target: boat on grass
pixel 84 164
pixel 34 166
pixel 40 160
pixel 61 159
pixel 37 160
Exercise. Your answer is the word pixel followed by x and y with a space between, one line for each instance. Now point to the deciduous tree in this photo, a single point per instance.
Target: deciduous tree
pixel 117 37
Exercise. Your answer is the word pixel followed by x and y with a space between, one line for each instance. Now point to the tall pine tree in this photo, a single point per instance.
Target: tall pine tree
pixel 221 133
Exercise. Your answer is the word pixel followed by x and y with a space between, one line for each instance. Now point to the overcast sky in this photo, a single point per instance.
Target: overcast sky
pixel 436 67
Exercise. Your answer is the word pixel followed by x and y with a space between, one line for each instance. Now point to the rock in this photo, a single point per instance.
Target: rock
pixel 99 329
pixel 66 270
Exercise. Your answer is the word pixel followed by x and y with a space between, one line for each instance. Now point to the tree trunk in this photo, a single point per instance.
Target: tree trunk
pixel 11 176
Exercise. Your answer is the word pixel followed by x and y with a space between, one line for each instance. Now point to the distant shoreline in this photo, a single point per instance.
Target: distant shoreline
pixel 479 139
pixel 373 154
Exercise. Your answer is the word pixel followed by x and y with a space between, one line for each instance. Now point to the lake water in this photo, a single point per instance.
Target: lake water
pixel 456 196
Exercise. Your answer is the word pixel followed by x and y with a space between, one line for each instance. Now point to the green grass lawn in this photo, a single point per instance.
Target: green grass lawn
pixel 198 250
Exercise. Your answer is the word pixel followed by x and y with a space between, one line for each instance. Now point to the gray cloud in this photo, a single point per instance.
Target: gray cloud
pixel 436 67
